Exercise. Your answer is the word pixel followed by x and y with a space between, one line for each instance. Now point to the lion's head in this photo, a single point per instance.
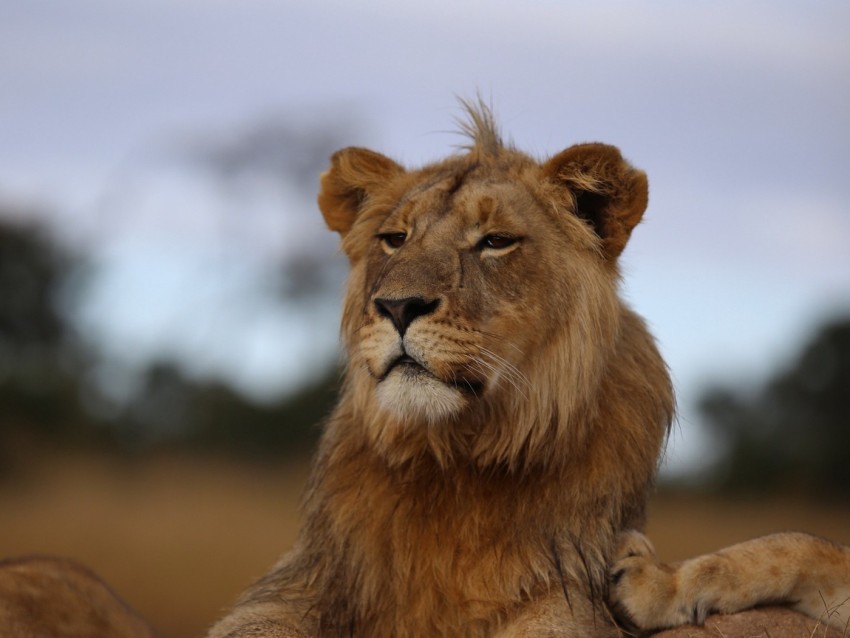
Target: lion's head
pixel 482 308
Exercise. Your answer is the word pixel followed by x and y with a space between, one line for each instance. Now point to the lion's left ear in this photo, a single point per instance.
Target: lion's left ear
pixel 355 174
pixel 609 193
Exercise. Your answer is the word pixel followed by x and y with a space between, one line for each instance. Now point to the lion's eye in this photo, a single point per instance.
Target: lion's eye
pixel 497 241
pixel 393 240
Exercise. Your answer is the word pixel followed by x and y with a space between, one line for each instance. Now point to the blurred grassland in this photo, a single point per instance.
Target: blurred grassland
pixel 178 537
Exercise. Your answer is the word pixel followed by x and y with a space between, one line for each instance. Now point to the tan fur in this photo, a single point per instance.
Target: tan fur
pixel 501 417
pixel 479 492
pixel 44 597
pixel 482 488
pixel 809 574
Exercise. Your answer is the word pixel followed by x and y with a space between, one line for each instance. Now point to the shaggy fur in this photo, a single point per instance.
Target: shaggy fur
pixel 479 487
pixel 43 597
pixel 496 437
pixel 501 419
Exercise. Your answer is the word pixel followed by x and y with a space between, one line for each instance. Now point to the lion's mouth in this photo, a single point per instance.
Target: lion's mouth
pixel 411 368
pixel 406 360
pixel 408 366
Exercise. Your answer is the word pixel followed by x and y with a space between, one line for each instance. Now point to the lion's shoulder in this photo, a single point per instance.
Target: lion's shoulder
pixel 55 597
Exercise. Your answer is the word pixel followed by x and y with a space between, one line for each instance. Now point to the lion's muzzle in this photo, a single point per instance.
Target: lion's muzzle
pixel 403 311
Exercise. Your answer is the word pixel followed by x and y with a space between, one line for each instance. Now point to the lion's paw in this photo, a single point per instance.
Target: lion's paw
pixel 632 543
pixel 642 590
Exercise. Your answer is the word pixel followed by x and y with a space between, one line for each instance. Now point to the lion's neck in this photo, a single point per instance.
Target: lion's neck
pixel 405 528
pixel 411 539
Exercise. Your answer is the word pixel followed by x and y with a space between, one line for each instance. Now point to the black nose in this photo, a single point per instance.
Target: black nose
pixel 403 311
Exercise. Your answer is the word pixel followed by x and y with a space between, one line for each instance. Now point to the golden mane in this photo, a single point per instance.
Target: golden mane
pixel 486 470
pixel 502 410
pixel 479 125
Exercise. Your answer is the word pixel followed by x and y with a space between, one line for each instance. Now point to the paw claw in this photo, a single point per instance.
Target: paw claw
pixel 640 587
pixel 632 543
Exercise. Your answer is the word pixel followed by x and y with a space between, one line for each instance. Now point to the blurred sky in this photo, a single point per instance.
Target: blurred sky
pixel 738 111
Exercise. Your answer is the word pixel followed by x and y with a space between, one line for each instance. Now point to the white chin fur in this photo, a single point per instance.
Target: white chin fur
pixel 419 397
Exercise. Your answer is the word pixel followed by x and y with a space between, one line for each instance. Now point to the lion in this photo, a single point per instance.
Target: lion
pixel 47 597
pixel 501 419
pixel 487 467
pixel 808 574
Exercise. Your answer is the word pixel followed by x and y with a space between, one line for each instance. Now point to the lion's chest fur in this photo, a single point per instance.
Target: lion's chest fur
pixel 433 553
pixel 482 322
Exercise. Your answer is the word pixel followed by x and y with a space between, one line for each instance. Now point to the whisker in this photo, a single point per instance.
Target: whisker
pixel 497 337
pixel 501 360
pixel 510 376
pixel 517 381
pixel 509 367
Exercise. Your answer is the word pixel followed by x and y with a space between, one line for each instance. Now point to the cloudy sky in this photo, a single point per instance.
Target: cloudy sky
pixel 739 112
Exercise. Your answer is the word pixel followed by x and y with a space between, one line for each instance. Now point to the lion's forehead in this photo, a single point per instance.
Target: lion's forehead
pixel 464 210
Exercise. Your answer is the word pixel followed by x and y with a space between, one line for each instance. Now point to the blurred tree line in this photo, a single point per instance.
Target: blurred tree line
pixel 48 397
pixel 792 433
pixel 38 391
pixel 49 388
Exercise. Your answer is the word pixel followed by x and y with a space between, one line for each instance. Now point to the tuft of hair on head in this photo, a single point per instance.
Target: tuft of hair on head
pixel 479 125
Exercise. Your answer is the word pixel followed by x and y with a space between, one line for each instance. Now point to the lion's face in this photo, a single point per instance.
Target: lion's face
pixel 463 281
pixel 482 284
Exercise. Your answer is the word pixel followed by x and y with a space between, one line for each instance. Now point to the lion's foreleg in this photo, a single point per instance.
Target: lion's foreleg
pixel 807 573
pixel 268 620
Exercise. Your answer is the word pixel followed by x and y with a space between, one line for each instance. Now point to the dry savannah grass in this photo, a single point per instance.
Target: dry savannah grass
pixel 179 538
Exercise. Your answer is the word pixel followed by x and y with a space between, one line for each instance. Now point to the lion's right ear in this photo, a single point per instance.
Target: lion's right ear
pixel 354 175
pixel 608 192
